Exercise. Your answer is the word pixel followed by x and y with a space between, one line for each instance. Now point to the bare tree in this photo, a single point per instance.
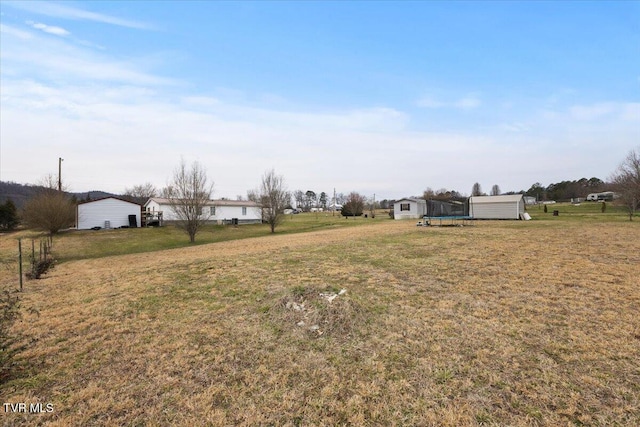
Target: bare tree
pixel 274 198
pixel 49 210
pixel 299 197
pixel 141 193
pixel 495 190
pixel 476 190
pixel 626 182
pixel 189 193
pixel 428 193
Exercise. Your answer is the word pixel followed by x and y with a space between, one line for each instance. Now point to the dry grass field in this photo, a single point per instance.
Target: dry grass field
pixel 502 323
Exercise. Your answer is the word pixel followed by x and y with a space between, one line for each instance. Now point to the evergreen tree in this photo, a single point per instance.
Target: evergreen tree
pixel 8 215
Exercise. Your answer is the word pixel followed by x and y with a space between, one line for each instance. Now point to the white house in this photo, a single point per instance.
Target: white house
pixel 410 208
pixel 220 211
pixel 109 212
pixel 247 212
pixel 497 207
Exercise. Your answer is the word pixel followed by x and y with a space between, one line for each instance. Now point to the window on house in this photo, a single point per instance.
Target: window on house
pixel 213 210
pixel 405 207
pixel 199 211
pixel 244 210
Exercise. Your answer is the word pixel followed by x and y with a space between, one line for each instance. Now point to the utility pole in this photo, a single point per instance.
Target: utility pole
pixel 60 159
pixel 333 211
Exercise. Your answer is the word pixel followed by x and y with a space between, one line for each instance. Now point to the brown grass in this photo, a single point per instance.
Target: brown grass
pixel 503 323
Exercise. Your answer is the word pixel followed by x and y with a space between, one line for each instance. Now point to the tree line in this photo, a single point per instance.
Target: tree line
pixel 51 210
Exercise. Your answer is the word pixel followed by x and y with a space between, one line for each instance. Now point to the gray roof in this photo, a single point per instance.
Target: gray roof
pixel 411 199
pixel 496 199
pixel 110 197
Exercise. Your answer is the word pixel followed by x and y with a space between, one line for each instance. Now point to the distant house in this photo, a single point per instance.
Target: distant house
pixel 108 212
pixel 409 208
pixel 497 207
pixel 218 211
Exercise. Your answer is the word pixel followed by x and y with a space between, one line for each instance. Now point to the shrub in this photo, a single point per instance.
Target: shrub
pixel 40 267
pixel 354 206
pixel 50 211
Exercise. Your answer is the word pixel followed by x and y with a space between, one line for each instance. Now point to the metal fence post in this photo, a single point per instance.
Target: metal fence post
pixel 20 261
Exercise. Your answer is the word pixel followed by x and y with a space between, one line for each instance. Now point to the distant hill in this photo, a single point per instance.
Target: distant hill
pixel 20 193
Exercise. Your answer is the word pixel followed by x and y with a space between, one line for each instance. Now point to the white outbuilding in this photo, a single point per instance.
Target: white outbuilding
pixel 108 212
pixel 497 207
pixel 409 208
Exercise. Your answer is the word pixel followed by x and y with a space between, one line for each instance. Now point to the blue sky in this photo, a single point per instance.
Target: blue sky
pixel 375 97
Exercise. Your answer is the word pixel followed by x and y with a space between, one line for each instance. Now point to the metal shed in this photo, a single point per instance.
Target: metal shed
pixel 496 207
pixel 109 212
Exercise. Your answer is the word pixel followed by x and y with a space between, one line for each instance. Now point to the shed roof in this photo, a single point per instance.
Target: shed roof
pixel 109 197
pixel 496 199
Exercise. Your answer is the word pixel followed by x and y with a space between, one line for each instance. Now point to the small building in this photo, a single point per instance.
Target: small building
pixel 409 208
pixel 497 207
pixel 108 212
pixel 217 211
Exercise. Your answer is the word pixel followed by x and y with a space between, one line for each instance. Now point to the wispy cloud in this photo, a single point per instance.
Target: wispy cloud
pixel 428 102
pixel 9 30
pixel 50 29
pixel 58 10
pixel 626 111
pixel 468 102
pixel 591 112
pixel 59 58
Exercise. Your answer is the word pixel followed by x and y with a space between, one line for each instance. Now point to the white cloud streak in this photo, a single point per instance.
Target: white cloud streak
pixel 57 10
pixel 56 59
pixel 57 31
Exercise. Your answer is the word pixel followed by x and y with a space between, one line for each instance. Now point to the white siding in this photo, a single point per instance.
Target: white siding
pixel 496 207
pixel 417 209
pixel 253 214
pixel 96 213
pixel 168 214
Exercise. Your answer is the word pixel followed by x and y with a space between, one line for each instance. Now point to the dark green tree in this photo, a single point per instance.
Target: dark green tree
pixel 354 206
pixel 8 216
pixel 323 200
pixel 537 191
pixel 310 200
